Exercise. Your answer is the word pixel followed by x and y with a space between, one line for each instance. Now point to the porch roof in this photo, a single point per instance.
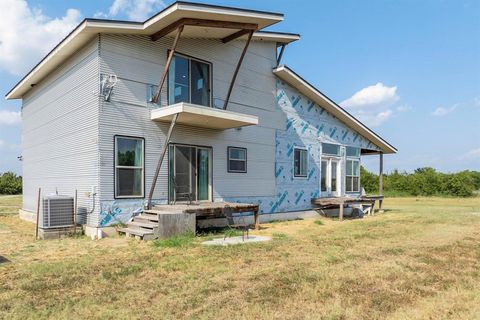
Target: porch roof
pixel 205 117
pixel 172 14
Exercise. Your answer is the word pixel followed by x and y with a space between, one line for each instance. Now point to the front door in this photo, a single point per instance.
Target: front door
pixel 330 185
pixel 190 173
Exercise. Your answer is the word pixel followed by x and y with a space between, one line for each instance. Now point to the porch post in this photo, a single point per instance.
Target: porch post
pixel 380 181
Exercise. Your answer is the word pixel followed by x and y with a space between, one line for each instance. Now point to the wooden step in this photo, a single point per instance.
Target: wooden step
pixel 146 220
pixel 149 216
pixel 145 234
pixel 140 222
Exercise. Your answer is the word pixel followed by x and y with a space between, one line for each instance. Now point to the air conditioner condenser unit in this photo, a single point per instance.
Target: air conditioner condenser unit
pixel 57 212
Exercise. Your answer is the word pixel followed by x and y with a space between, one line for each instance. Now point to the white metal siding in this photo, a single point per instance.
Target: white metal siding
pixel 60 131
pixel 139 62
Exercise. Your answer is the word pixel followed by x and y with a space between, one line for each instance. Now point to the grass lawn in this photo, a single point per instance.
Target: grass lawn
pixel 418 260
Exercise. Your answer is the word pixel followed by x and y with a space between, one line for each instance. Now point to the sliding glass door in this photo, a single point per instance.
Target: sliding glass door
pixel 189 173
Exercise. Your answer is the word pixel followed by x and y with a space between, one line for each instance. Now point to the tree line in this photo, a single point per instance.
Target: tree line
pixel 10 183
pixel 423 182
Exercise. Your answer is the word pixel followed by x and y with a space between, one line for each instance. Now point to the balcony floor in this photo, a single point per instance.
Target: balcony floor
pixel 205 117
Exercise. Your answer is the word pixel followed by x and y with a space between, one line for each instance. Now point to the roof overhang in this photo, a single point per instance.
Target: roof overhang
pixel 293 79
pixel 89 28
pixel 205 117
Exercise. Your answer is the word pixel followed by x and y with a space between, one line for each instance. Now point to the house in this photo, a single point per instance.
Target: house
pixel 198 91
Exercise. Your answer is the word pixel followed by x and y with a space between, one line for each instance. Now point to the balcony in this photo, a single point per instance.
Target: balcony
pixel 201 116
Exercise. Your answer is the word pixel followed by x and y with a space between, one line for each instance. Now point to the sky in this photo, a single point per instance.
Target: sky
pixel 408 69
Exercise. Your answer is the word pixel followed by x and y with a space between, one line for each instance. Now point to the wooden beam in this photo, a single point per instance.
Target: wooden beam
pixel 340 211
pixel 38 212
pixel 279 58
pixel 160 160
pixel 380 181
pixel 232 83
pixel 235 35
pixel 167 65
pixel 202 23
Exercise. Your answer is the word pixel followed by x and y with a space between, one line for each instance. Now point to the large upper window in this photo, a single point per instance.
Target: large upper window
pixel 352 176
pixel 189 81
pixel 237 159
pixel 129 167
pixel 300 162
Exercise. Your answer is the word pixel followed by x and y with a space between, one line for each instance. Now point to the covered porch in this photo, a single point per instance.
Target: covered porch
pixel 362 199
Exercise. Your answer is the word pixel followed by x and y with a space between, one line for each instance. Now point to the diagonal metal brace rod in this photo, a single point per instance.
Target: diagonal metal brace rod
pixel 160 160
pixel 167 65
pixel 236 70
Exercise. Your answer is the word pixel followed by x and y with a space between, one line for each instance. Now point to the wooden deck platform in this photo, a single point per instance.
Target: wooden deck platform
pixel 339 202
pixel 211 210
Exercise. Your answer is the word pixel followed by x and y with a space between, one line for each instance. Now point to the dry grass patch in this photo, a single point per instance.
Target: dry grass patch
pixel 420 259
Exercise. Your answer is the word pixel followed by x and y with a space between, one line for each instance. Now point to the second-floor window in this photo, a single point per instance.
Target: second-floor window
pixel 189 81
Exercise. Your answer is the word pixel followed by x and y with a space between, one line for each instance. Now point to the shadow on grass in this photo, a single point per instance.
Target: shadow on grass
pixel 3 260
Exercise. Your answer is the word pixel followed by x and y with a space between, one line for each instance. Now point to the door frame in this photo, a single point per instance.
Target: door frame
pixel 210 171
pixel 328 177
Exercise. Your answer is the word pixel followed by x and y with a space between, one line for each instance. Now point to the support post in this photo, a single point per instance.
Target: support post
pixel 75 213
pixel 38 212
pixel 257 219
pixel 167 65
pixel 380 181
pixel 340 211
pixel 279 58
pixel 237 68
pixel 160 160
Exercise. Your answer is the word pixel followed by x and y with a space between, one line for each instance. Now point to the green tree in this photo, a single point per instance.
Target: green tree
pixel 10 183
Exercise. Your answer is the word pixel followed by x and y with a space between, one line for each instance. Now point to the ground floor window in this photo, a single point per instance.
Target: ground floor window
pixel 129 167
pixel 237 160
pixel 352 176
pixel 300 162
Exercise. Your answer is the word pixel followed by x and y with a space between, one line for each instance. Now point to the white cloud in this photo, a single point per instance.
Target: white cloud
pixel 136 10
pixel 372 95
pixel 26 34
pixel 441 111
pixel 373 104
pixel 10 117
pixel 2 143
pixel 473 154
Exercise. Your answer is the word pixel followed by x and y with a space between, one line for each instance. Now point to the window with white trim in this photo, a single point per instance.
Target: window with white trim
pixel 352 180
pixel 300 165
pixel 129 167
pixel 237 160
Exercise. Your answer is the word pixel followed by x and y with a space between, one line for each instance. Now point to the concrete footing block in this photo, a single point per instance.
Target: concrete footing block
pixel 96 233
pixel 175 223
pixel 27 215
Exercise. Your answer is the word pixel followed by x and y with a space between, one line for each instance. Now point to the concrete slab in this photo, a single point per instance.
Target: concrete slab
pixel 235 240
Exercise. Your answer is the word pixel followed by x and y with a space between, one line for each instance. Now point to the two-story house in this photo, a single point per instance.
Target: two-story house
pixel 198 89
